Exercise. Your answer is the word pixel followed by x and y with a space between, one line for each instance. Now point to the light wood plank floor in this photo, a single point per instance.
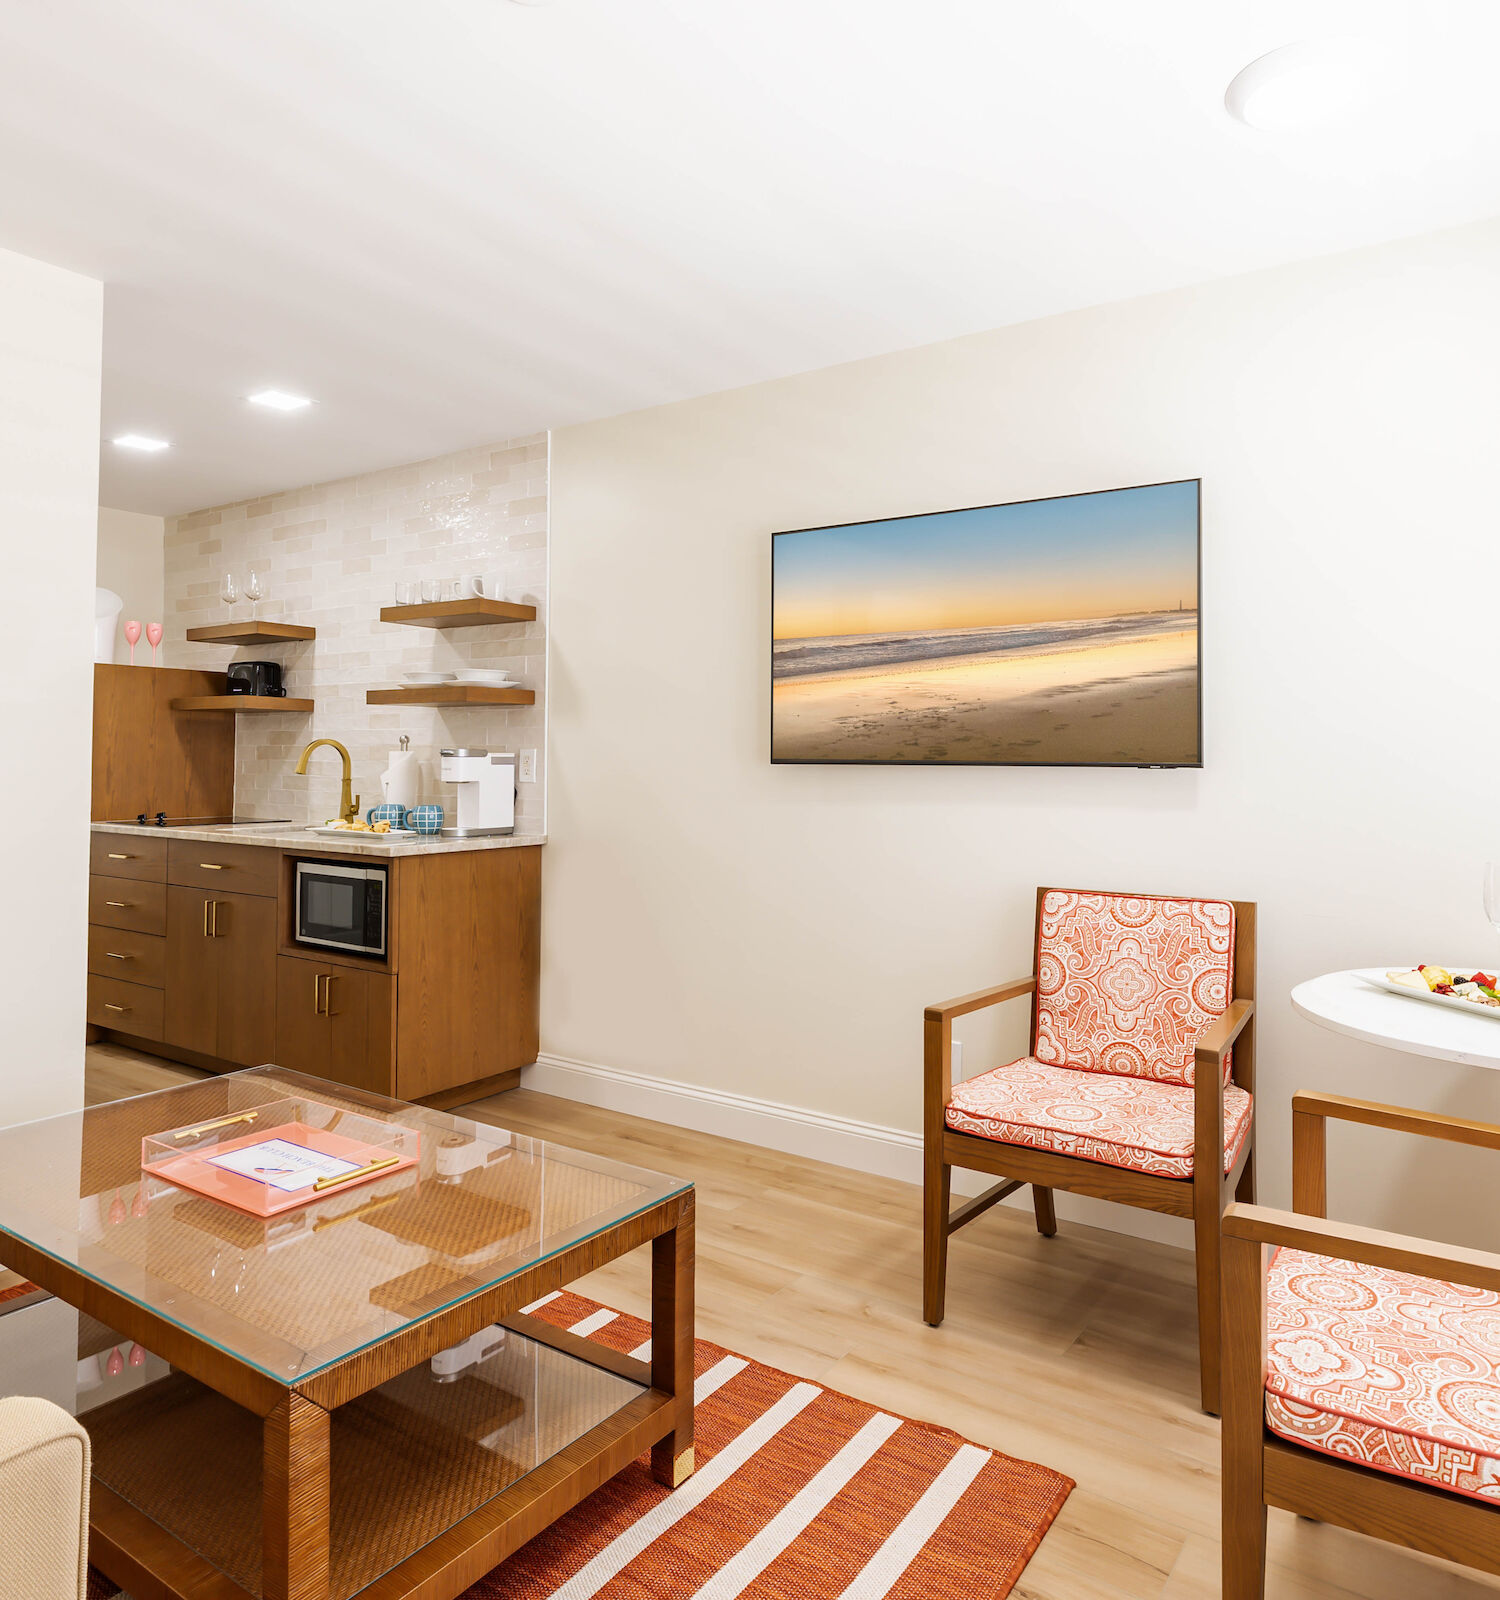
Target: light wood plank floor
pixel 1078 1352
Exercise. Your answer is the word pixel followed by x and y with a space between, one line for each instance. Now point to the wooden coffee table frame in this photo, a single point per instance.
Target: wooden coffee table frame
pixel 152 1564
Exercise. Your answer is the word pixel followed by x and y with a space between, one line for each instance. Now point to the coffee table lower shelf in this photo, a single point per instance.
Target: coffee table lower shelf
pixel 431 1484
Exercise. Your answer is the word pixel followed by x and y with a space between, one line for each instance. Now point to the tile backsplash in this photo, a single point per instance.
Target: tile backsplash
pixel 330 556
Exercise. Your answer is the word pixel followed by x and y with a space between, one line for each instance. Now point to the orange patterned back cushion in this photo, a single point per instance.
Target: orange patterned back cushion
pixel 1126 983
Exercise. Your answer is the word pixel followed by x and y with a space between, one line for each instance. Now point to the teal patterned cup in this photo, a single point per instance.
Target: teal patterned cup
pixel 386 812
pixel 425 819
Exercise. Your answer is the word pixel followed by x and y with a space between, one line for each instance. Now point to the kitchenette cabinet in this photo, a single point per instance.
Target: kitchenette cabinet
pixel 193 956
pixel 334 1022
pixel 221 974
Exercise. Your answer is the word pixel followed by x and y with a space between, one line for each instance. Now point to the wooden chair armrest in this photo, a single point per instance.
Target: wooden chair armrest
pixel 1433 1124
pixel 937 1047
pixel 1310 1113
pixel 1216 1038
pixel 1478 1269
pixel 948 1009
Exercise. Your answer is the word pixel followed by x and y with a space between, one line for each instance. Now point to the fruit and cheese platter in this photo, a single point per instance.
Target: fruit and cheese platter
pixel 1462 989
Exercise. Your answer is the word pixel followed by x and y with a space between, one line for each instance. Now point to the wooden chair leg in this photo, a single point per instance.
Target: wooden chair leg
pixel 1046 1216
pixel 1206 1263
pixel 1243 1432
pixel 936 1187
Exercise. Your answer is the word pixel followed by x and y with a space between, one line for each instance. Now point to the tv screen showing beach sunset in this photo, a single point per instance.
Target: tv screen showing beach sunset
pixel 1047 632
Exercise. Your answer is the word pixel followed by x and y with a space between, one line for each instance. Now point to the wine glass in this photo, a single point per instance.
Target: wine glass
pixel 253 590
pixel 1492 893
pixel 132 634
pixel 229 592
pixel 153 634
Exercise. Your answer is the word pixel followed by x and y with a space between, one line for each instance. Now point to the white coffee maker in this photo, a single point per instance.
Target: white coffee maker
pixel 486 782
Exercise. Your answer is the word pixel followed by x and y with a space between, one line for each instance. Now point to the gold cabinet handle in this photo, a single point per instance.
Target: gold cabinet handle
pixel 317 994
pixel 328 994
pixel 206 905
pixel 213 921
pixel 115 855
pixel 114 955
pixel 109 1007
pixel 212 866
pixel 119 905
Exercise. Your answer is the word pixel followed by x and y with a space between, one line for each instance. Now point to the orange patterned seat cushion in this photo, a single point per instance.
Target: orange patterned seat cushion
pixel 1123 1122
pixel 1126 983
pixel 1387 1370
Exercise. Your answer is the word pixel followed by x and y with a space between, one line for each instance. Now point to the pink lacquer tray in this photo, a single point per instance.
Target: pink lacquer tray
pixel 196 1170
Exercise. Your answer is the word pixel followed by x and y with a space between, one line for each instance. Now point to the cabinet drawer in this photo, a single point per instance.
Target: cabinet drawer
pixel 119 855
pixel 229 868
pixel 130 1007
pixel 127 903
pixel 132 957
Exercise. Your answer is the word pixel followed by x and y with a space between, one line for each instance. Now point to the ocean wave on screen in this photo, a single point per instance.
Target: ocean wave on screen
pixel 860 652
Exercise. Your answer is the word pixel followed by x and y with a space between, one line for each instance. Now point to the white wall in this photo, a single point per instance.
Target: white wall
pixel 775 931
pixel 131 562
pixel 50 331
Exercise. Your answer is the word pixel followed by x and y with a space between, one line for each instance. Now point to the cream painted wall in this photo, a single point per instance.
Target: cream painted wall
pixel 131 562
pixel 50 334
pixel 775 931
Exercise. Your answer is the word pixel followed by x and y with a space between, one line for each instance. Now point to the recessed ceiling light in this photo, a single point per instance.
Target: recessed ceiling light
pixel 139 441
pixel 1305 85
pixel 276 400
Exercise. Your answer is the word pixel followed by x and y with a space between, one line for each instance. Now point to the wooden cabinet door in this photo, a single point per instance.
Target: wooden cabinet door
pixel 243 934
pixel 358 1006
pixel 191 1019
pixel 303 1033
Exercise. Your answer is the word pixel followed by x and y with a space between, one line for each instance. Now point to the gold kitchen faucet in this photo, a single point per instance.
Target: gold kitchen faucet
pixel 348 800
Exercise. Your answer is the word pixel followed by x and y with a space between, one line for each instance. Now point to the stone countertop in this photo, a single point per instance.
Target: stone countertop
pixel 288 836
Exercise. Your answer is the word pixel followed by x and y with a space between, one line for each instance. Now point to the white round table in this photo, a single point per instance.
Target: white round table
pixel 1344 1002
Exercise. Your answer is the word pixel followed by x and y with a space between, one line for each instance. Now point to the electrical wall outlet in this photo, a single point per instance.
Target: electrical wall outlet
pixel 526 771
pixel 958 1061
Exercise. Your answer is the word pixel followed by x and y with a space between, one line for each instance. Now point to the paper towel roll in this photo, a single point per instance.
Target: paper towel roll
pixel 400 780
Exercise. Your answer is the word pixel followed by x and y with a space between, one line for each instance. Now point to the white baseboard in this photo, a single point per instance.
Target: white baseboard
pixel 818 1135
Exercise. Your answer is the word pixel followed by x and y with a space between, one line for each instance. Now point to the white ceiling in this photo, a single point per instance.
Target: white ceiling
pixel 453 221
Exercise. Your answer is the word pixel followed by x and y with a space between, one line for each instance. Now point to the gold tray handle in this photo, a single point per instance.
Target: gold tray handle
pixel 379 1164
pixel 221 1122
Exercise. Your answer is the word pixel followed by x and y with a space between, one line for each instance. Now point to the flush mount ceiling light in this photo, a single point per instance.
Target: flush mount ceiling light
pixel 139 441
pixel 1310 84
pixel 276 400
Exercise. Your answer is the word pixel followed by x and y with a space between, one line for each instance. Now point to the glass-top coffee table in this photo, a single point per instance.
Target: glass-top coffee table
pixel 345 1398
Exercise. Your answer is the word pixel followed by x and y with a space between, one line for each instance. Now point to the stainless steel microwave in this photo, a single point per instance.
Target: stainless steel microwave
pixel 341 908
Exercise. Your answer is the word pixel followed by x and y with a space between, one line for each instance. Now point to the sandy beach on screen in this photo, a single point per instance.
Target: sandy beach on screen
pixel 1130 702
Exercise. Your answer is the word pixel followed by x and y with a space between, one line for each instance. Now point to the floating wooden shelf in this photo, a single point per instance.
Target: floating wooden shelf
pixel 474 613
pixel 450 694
pixel 251 633
pixel 240 702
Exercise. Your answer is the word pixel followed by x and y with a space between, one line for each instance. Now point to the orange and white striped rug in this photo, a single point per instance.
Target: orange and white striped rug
pixel 801 1493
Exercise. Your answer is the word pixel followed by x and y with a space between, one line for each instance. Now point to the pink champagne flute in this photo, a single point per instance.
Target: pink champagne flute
pixel 132 634
pixel 153 635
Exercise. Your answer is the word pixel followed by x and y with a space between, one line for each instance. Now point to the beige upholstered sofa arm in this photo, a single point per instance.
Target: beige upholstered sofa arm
pixel 44 1492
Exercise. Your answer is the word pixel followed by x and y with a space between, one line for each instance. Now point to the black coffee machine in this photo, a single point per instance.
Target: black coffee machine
pixel 256 677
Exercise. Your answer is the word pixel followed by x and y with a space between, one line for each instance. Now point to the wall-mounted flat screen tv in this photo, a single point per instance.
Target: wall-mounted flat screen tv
pixel 1059 632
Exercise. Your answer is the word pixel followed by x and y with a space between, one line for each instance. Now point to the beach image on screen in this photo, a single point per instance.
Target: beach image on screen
pixel 1049 631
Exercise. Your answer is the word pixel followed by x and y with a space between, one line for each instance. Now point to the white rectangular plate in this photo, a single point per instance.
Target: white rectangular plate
pixel 1453 1002
pixel 395 836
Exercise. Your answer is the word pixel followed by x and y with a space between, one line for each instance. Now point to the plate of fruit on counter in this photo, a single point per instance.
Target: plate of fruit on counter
pixel 1468 989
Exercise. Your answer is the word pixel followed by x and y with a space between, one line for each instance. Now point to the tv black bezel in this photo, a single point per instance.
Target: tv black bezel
pixel 867 761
